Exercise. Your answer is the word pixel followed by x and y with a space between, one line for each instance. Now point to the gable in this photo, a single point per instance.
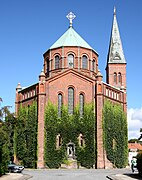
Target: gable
pixel 70 78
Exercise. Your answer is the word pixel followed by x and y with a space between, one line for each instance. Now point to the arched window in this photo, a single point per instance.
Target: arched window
pixel 84 62
pixel 60 102
pixel 70 61
pixel 119 78
pixel 57 59
pixel 47 70
pixel 70 100
pixel 81 104
pixel 58 141
pixel 115 78
pixel 94 66
pixel 81 140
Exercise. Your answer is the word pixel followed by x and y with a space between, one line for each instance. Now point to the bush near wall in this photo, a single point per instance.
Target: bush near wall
pixel 69 127
pixel 139 162
pixel 115 134
pixel 25 136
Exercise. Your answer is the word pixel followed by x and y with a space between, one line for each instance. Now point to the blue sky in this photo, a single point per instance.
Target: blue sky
pixel 29 27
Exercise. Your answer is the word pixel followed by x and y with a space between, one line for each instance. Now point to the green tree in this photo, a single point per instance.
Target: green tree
pixel 139 162
pixel 4 152
pixel 140 134
pixel 133 140
pixel 6 137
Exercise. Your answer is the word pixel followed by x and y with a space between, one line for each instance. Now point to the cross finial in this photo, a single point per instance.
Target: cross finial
pixel 70 16
pixel 114 10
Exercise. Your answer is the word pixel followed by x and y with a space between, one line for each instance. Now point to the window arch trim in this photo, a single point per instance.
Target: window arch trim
pixel 57 61
pixel 115 77
pixel 60 103
pixel 81 103
pixel 84 61
pixel 70 59
pixel 94 65
pixel 71 93
pixel 119 78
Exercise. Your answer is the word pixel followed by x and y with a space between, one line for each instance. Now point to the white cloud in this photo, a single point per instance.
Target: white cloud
pixel 134 117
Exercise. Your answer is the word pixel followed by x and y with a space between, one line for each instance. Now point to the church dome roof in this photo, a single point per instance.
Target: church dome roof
pixel 71 38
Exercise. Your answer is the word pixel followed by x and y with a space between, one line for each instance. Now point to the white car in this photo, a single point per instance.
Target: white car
pixel 15 168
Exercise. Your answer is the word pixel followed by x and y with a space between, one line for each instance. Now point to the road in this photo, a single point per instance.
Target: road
pixel 78 174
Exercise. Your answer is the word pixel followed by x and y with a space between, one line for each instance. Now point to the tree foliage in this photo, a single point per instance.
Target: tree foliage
pixel 7 121
pixel 115 134
pixel 69 127
pixel 4 151
pixel 25 139
pixel 139 162
pixel 133 141
pixel 9 126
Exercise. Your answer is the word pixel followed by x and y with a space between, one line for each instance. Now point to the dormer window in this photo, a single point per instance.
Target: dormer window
pixel 84 62
pixel 117 56
pixel 70 61
pixel 57 59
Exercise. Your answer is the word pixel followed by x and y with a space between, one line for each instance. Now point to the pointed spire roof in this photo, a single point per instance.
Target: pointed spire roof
pixel 115 54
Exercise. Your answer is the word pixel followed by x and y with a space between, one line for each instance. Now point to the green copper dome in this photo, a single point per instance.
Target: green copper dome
pixel 71 38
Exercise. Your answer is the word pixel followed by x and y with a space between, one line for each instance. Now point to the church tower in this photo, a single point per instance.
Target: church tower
pixel 116 63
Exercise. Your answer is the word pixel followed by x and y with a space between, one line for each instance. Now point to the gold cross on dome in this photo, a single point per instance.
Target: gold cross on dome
pixel 70 16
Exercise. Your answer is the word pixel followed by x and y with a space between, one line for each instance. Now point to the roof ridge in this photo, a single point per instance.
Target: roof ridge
pixel 71 38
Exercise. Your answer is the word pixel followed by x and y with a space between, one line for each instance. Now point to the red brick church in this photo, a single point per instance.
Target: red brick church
pixel 71 76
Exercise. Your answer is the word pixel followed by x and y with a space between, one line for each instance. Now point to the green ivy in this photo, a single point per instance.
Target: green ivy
pixel 115 134
pixel 69 127
pixel 25 139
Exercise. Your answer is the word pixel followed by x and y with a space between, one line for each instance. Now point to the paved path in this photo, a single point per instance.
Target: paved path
pixel 78 174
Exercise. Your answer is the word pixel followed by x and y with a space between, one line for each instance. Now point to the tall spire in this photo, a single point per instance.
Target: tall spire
pixel 115 54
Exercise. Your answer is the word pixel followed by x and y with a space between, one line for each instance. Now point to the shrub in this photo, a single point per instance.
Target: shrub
pixel 139 162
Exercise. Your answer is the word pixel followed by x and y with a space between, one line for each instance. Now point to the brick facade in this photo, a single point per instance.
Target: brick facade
pixel 87 81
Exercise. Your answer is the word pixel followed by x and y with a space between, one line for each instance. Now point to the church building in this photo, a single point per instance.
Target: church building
pixel 71 76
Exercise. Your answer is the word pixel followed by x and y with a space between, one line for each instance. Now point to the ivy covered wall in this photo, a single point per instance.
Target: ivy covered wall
pixel 69 127
pixel 115 134
pixel 25 136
